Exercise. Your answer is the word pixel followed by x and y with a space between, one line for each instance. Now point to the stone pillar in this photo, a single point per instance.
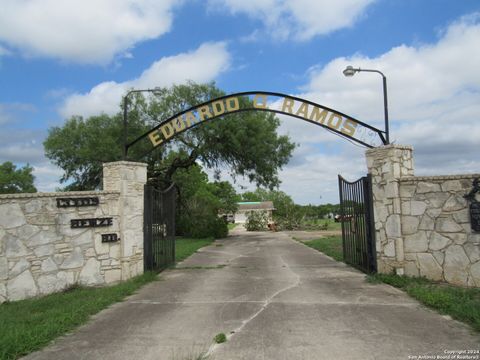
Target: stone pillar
pixel 387 165
pixel 129 179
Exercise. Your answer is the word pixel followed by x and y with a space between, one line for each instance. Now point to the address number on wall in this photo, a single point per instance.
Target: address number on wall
pixel 77 202
pixel 95 222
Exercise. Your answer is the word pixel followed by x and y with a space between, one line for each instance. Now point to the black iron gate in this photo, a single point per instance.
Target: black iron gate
pixel 358 226
pixel 159 228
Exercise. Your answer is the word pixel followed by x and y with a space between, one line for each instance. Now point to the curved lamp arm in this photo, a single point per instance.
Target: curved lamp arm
pixel 350 71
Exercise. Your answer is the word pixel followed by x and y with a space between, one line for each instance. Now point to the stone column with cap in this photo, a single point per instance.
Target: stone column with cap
pixel 129 179
pixel 387 164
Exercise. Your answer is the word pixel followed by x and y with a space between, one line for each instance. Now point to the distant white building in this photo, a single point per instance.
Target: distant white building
pixel 252 206
pixel 329 216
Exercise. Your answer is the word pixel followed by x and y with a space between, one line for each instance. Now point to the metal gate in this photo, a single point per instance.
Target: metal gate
pixel 358 226
pixel 159 228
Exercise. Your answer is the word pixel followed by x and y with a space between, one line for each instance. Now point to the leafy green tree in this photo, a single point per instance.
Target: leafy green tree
pixel 252 196
pixel 247 143
pixel 13 180
pixel 200 203
pixel 226 194
pixel 81 146
pixel 287 215
pixel 316 212
pixel 282 202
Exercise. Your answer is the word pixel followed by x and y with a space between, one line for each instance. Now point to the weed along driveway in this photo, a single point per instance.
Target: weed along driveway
pixel 273 298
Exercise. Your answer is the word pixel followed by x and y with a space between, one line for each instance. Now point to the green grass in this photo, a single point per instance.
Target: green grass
pixel 322 224
pixel 331 246
pixel 332 225
pixel 462 304
pixel 28 325
pixel 184 247
pixel 231 226
pixel 220 338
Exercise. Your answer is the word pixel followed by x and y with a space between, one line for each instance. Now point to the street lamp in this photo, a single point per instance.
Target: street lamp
pixel 350 71
pixel 125 117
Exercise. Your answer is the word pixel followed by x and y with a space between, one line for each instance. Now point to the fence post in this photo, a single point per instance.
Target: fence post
pixel 386 165
pixel 129 179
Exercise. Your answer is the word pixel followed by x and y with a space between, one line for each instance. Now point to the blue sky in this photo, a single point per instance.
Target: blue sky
pixel 63 58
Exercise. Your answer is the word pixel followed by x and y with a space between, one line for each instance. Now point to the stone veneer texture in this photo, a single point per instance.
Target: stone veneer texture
pixel 422 224
pixel 438 240
pixel 40 253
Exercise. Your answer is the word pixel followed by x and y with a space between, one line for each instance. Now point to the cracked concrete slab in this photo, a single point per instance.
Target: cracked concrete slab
pixel 276 299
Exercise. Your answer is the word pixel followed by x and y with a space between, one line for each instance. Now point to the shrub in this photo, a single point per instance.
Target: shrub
pixel 324 226
pixel 205 226
pixel 220 338
pixel 220 228
pixel 256 221
pixel 198 217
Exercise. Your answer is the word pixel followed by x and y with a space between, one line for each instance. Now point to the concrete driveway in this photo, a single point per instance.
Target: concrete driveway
pixel 275 299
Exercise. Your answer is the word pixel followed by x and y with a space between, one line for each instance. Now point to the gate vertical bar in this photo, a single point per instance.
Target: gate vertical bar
pixel 161 231
pixel 360 221
pixel 159 228
pixel 342 211
pixel 351 219
pixel 147 229
pixel 173 209
pixel 358 234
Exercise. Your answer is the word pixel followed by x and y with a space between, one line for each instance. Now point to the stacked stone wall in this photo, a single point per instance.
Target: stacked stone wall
pixel 41 253
pixel 422 224
pixel 438 240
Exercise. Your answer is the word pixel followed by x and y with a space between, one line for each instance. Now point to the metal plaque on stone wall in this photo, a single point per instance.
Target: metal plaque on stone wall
pixel 106 238
pixel 95 222
pixel 77 202
pixel 475 215
pixel 474 205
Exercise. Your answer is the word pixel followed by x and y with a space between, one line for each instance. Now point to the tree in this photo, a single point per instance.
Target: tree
pixel 282 202
pixel 287 215
pixel 315 212
pixel 13 180
pixel 201 203
pixel 247 143
pixel 81 146
pixel 227 196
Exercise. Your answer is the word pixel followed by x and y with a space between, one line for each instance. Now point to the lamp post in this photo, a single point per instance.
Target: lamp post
pixel 350 71
pixel 125 117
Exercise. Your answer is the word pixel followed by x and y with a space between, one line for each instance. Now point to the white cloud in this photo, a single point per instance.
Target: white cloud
pixel 10 112
pixel 201 65
pixel 103 98
pixel 82 31
pixel 315 180
pixel 300 19
pixel 46 176
pixel 434 100
pixel 421 81
pixel 21 145
pixel 5 117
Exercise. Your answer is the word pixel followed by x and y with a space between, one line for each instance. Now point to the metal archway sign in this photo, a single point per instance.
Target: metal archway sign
pixel 332 120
